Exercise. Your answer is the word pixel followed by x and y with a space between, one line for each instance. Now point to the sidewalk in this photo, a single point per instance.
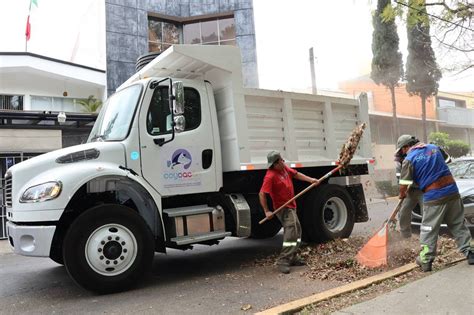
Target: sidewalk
pixel 449 291
pixel 5 247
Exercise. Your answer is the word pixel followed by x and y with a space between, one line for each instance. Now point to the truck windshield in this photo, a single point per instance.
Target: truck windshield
pixel 113 122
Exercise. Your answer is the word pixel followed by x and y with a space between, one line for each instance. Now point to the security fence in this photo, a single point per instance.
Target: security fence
pixel 7 160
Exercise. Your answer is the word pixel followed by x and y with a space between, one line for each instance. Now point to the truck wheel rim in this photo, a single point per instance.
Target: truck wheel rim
pixel 335 214
pixel 111 249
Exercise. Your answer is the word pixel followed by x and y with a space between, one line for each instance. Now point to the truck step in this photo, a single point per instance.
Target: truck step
pixel 192 239
pixel 185 211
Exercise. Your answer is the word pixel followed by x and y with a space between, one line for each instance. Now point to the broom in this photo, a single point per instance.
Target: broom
pixel 345 156
pixel 374 252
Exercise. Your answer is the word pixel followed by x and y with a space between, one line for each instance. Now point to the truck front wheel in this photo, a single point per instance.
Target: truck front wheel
pixel 328 214
pixel 108 248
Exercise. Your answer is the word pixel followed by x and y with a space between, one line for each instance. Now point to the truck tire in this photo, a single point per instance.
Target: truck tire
pixel 108 248
pixel 328 214
pixel 265 230
pixel 57 259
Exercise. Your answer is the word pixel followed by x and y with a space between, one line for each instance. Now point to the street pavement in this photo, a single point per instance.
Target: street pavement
pixel 449 291
pixel 223 279
pixel 219 280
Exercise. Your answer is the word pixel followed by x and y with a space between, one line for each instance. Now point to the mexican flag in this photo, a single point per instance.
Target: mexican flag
pixel 28 24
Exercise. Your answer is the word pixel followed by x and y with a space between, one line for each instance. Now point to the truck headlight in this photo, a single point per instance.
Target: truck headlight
pixel 42 192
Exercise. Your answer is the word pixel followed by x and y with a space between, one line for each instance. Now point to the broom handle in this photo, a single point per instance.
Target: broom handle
pixel 395 211
pixel 302 192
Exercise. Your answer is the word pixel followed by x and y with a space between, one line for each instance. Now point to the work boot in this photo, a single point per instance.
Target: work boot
pixel 424 266
pixel 470 257
pixel 284 269
pixel 298 261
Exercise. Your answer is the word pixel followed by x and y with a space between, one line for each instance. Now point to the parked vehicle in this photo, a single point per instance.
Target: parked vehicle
pixel 172 164
pixel 463 171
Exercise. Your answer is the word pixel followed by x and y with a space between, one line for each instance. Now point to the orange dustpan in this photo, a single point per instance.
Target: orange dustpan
pixel 374 253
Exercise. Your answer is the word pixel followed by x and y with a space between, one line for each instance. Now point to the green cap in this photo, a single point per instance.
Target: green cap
pixel 404 140
pixel 272 157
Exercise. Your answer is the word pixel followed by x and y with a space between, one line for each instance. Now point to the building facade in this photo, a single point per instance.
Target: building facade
pixel 135 28
pixel 40 108
pixel 452 113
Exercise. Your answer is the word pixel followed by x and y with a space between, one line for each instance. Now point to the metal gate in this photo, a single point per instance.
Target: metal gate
pixel 7 160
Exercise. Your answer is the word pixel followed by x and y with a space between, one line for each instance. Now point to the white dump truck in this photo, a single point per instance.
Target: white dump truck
pixel 176 158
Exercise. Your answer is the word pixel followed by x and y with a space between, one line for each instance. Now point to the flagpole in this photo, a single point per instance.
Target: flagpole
pixel 27 25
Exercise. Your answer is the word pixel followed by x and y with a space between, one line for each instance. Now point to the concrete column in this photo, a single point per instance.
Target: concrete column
pixel 365 144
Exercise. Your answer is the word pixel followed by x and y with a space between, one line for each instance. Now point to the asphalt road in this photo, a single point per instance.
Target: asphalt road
pixel 207 280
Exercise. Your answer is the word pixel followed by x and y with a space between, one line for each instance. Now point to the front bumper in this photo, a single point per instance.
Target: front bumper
pixel 30 240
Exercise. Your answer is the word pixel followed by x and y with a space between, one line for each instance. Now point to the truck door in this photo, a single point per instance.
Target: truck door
pixel 186 164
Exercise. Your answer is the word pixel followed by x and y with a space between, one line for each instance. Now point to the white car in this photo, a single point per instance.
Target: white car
pixel 463 171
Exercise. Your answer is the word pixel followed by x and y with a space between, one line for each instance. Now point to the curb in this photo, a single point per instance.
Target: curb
pixel 297 305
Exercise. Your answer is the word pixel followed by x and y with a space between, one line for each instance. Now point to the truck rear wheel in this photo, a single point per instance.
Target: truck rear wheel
pixel 108 248
pixel 328 214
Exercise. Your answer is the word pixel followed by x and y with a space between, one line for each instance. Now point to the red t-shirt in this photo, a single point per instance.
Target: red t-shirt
pixel 280 186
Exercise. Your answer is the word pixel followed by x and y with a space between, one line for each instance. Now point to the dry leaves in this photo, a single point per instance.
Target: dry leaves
pixel 336 261
pixel 348 149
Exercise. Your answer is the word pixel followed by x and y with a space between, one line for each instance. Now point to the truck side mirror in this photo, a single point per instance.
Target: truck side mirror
pixel 178 103
pixel 179 123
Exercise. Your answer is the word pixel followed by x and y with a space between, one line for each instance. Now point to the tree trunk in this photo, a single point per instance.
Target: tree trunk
pixel 423 118
pixel 396 125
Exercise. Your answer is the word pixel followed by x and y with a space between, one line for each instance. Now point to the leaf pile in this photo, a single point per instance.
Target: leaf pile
pixel 336 261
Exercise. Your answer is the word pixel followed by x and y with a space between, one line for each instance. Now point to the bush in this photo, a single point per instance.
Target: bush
pixel 439 138
pixel 455 148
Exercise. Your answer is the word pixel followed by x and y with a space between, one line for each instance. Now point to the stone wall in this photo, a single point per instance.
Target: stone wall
pixel 127 32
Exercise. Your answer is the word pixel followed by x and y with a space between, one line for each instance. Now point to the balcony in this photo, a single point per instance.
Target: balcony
pixel 457 117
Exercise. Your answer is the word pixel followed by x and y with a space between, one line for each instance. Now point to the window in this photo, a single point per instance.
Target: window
pixel 56 104
pixel 450 103
pixel 11 102
pixel 114 120
pixel 161 34
pixel 219 31
pixel 159 115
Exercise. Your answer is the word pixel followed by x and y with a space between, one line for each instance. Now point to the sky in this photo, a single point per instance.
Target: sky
pixel 340 31
pixel 55 32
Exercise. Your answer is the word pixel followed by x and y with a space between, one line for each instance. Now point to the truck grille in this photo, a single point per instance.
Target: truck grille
pixel 8 190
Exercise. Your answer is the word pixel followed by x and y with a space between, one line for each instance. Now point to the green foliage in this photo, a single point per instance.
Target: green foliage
pixel 439 138
pixel 387 65
pixel 390 12
pixel 417 14
pixel 91 104
pixel 422 72
pixel 458 148
pixel 455 148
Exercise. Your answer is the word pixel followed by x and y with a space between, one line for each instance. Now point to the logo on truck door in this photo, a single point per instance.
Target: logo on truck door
pixel 180 158
pixel 179 170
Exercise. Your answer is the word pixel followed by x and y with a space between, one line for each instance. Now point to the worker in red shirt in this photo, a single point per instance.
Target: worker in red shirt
pixel 278 183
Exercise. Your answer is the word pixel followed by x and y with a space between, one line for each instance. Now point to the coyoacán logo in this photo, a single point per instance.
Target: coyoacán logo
pixel 180 159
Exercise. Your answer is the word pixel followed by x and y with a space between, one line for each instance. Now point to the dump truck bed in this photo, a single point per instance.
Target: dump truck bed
pixel 307 129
